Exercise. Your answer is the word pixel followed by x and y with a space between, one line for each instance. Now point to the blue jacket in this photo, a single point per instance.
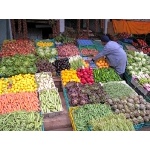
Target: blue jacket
pixel 115 55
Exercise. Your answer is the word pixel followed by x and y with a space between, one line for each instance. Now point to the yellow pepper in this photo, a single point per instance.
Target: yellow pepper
pixel 18 83
pixel 45 44
pixel 68 76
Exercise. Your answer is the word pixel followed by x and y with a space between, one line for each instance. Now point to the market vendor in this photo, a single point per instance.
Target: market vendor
pixel 115 55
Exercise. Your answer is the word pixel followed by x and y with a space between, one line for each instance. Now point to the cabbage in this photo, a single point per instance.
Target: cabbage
pixel 53 51
pixel 3 68
pixel 26 63
pixel 129 67
pixel 32 70
pixel 47 54
pixel 22 70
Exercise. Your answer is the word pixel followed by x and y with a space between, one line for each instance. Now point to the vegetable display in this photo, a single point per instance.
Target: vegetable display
pixel 82 115
pixel 76 62
pixel 46 52
pixel 61 64
pixel 112 122
pixel 143 80
pixel 67 50
pixel 137 63
pixel 44 66
pixel 105 75
pixel 146 50
pixel 50 101
pixel 21 65
pixel 142 42
pixel 20 46
pixel 63 39
pixel 118 90
pixel 44 81
pixel 135 108
pixel 21 121
pixel 85 75
pixel 44 44
pixel 79 94
pixel 18 83
pixel 27 101
pixel 68 76
pixel 102 63
pixel 89 52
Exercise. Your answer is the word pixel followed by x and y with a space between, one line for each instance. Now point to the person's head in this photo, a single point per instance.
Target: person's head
pixel 104 39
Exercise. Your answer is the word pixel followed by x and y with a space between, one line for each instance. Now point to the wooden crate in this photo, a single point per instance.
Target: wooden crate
pixel 58 84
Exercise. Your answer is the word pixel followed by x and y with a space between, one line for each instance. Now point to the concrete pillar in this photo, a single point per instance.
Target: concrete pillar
pixel 62 25
pixel 106 26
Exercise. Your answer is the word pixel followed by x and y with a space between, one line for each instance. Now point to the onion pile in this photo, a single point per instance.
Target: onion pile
pixel 21 46
pixel 67 50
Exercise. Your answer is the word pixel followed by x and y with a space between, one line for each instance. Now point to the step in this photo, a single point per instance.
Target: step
pixel 57 122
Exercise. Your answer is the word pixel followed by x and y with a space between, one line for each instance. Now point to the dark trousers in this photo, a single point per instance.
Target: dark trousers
pixel 122 76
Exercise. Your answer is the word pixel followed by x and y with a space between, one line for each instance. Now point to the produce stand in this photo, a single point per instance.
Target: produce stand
pixel 90 101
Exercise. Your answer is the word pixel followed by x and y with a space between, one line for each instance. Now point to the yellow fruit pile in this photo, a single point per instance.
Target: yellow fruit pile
pixel 68 76
pixel 44 44
pixel 18 83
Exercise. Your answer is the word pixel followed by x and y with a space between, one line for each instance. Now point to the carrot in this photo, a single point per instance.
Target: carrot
pixel 27 101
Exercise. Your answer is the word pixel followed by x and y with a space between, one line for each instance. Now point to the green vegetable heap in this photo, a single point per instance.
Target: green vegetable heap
pixel 118 90
pixel 18 64
pixel 105 75
pixel 21 121
pixel 82 115
pixel 111 122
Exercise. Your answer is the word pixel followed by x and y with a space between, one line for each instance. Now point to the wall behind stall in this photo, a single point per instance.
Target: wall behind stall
pixel 4 30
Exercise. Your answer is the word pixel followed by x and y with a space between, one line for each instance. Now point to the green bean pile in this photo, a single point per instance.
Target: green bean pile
pixel 21 121
pixel 112 122
pixel 84 114
pixel 118 90
pixel 50 101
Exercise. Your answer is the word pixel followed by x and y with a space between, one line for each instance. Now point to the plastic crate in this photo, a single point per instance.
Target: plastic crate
pixel 146 124
pixel 147 98
pixel 98 45
pixel 43 127
pixel 66 98
pixel 138 126
pixel 84 42
pixel 127 76
pixel 71 109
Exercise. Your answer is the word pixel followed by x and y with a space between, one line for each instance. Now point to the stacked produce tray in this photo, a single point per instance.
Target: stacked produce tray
pixel 66 97
pixel 140 87
pixel 128 77
pixel 98 45
pixel 85 44
pixel 71 117
pixel 48 95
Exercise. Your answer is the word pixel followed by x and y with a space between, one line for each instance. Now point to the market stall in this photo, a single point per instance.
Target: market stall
pixel 94 93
